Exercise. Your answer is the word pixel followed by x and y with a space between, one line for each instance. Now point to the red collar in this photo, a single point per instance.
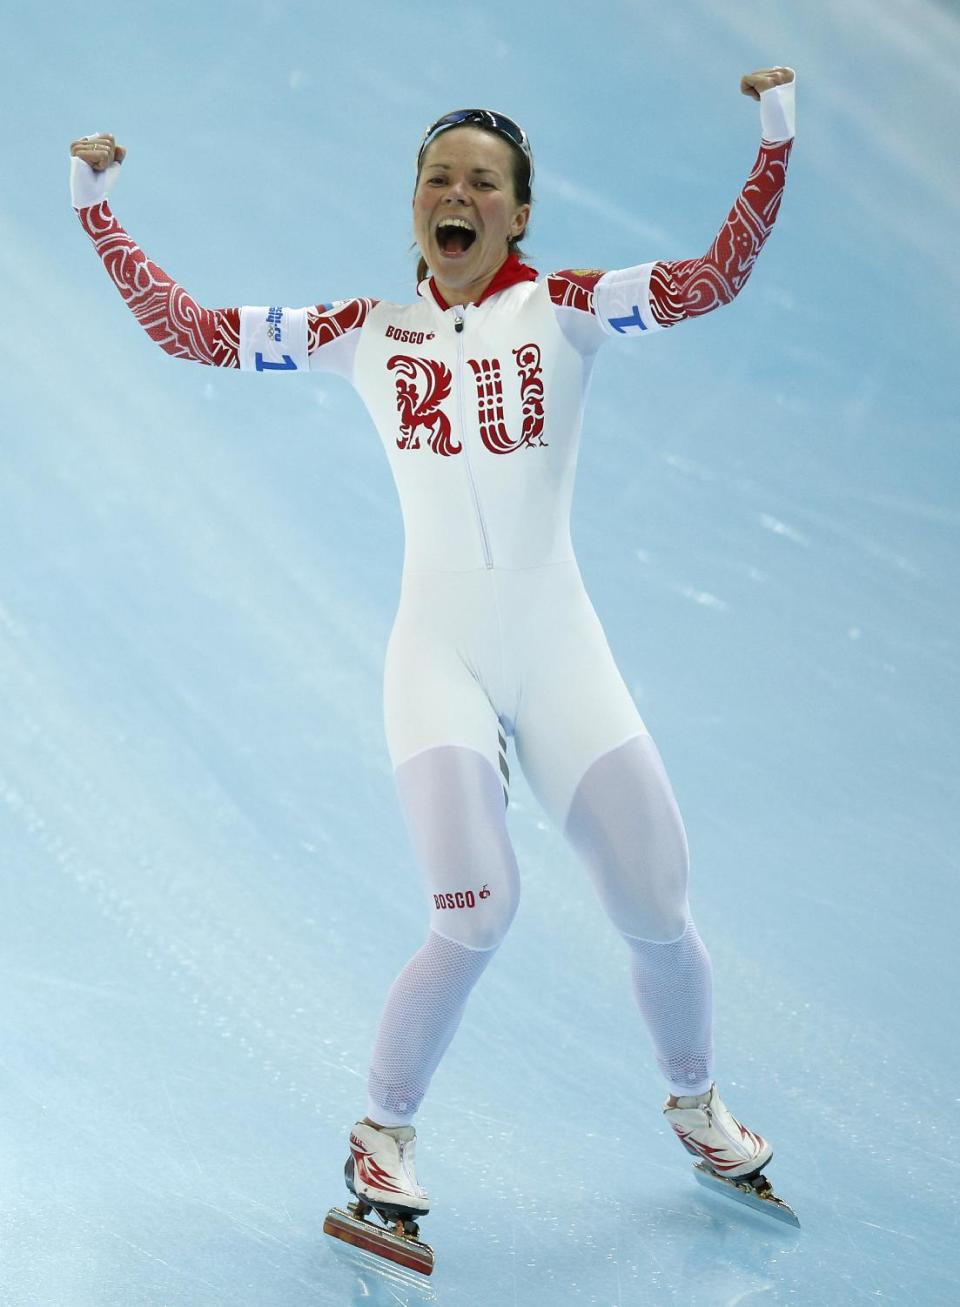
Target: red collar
pixel 510 272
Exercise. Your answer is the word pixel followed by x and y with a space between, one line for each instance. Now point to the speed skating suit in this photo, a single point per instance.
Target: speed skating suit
pixel 479 411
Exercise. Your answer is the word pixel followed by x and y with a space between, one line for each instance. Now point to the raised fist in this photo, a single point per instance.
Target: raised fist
pixel 94 167
pixel 763 79
pixel 99 151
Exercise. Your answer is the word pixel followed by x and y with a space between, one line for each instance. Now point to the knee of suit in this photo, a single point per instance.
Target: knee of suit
pixel 656 922
pixel 648 899
pixel 452 797
pixel 477 916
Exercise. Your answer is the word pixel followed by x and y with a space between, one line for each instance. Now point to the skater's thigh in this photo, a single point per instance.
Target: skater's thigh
pixel 452 799
pixel 626 826
pixel 591 763
pixel 432 698
pixel 449 755
pixel 575 706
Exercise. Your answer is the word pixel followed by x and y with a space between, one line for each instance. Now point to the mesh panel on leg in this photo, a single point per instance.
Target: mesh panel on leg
pixel 422 1013
pixel 625 824
pixel 673 986
pixel 452 799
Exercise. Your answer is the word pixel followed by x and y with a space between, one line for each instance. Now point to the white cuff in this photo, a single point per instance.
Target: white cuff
pixel 87 186
pixel 778 112
pixel 621 300
pixel 273 339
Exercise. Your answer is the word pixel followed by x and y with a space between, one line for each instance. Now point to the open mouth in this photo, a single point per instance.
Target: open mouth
pixel 455 235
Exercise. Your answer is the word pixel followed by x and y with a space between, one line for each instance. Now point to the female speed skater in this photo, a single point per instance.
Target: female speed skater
pixel 477 392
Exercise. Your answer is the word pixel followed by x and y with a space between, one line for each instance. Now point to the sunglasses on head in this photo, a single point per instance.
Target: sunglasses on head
pixel 497 122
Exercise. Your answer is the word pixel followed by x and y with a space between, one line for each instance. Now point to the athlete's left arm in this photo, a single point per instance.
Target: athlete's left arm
pixel 651 296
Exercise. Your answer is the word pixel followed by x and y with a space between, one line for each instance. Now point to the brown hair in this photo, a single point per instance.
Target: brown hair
pixel 521 190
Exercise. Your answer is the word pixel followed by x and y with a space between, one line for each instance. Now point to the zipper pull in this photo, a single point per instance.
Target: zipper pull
pixel 458 321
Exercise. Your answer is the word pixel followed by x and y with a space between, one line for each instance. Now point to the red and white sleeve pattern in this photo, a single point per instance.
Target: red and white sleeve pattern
pixel 328 322
pixel 572 295
pixel 573 288
pixel 687 288
pixel 261 339
pixel 651 296
pixel 167 313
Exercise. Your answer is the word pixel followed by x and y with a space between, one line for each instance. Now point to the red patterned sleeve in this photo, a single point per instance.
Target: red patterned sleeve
pixel 573 288
pixel 685 288
pixel 328 322
pixel 167 313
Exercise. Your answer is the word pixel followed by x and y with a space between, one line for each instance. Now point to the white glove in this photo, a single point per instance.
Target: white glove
pixel 87 186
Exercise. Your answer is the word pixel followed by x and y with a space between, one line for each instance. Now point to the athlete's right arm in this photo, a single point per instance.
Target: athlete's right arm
pixel 256 338
pixel 167 313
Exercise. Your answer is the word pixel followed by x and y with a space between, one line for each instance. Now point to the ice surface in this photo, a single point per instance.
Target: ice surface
pixel 206 884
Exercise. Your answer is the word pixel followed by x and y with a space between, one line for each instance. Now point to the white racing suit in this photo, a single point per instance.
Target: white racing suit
pixel 479 410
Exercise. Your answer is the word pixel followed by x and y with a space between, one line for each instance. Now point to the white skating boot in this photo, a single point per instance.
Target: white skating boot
pixel 380 1170
pixel 706 1128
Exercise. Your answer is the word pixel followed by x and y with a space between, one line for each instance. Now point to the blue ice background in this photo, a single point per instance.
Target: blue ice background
pixel 206 883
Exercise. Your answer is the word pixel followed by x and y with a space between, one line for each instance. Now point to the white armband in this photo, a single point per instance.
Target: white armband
pixel 87 186
pixel 273 339
pixel 621 300
pixel 778 112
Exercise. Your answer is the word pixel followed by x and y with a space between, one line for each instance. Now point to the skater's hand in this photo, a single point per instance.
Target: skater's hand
pixel 764 79
pixel 94 167
pixel 99 151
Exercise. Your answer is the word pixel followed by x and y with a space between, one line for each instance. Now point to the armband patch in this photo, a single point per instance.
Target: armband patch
pixel 622 300
pixel 273 339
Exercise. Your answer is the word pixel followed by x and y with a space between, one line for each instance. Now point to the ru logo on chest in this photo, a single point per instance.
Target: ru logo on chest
pixel 423 388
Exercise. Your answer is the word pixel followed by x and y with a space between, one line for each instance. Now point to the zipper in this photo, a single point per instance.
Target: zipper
pixel 736 1145
pixel 459 315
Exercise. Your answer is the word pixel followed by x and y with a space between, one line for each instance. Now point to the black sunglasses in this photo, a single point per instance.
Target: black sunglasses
pixel 497 122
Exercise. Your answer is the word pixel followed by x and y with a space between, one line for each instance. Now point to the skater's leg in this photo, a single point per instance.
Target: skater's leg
pixel 591 763
pixel 620 814
pixel 420 1017
pixel 453 802
pixel 589 759
pixel 625 824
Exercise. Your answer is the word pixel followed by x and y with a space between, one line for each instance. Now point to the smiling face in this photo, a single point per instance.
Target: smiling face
pixel 465 209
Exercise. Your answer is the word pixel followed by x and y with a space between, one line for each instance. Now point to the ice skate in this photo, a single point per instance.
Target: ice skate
pixel 730 1157
pixel 381 1175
